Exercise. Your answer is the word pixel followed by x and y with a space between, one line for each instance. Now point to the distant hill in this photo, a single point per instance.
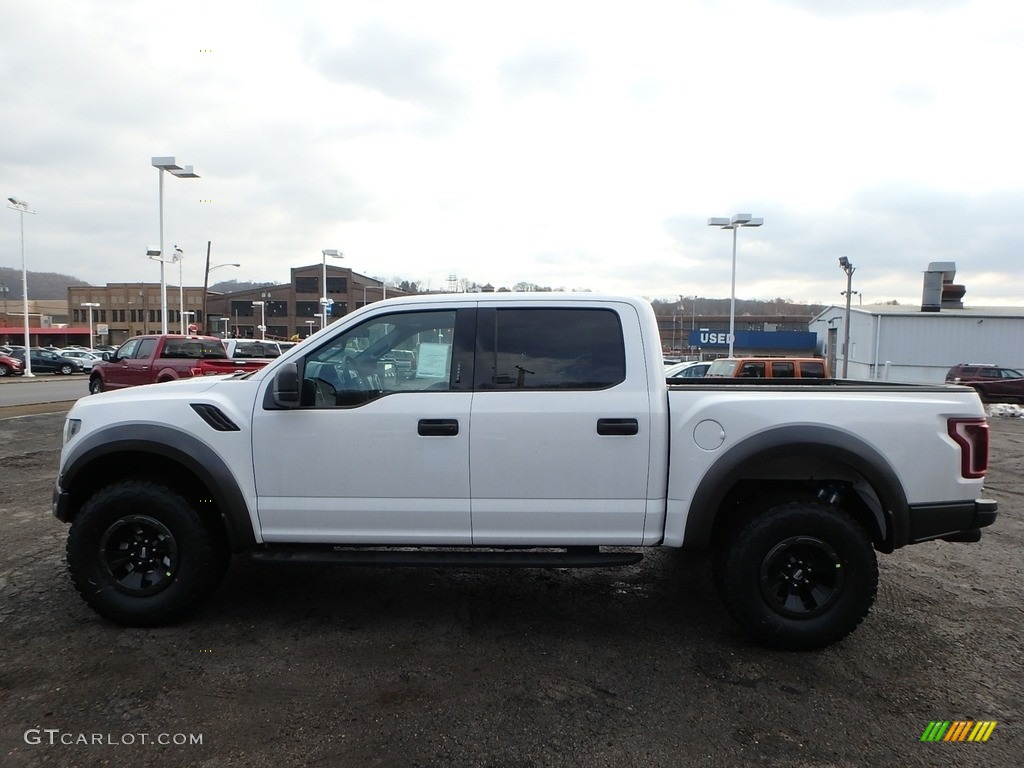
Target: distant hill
pixel 231 286
pixel 41 285
pixel 700 306
pixel 50 285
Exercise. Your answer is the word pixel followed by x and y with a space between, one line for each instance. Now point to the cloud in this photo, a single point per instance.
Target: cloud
pixel 843 8
pixel 913 94
pixel 559 144
pixel 394 64
pixel 541 70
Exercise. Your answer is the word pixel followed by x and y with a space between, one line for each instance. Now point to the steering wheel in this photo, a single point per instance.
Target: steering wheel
pixel 351 377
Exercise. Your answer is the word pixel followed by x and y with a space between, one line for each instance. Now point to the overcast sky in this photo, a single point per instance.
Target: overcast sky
pixel 565 143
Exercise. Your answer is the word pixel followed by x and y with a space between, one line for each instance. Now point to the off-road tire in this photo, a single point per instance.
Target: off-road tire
pixel 799 576
pixel 140 555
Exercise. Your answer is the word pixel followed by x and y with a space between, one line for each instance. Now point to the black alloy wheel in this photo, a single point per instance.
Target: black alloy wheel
pixel 140 555
pixel 798 575
pixel 801 577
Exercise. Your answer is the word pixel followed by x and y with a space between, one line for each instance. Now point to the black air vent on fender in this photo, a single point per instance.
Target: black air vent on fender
pixel 215 417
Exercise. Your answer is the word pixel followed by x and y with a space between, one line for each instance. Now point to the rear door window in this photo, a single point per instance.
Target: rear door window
pixel 812 370
pixel 752 371
pixel 553 349
pixel 783 370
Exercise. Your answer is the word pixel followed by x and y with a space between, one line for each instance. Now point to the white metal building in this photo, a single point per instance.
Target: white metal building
pixel 921 343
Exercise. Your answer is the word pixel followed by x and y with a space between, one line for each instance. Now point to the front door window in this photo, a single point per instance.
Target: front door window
pixel 386 355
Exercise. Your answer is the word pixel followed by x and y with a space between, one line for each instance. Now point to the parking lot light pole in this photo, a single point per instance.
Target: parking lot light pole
pixel 206 280
pixel 22 208
pixel 334 253
pixel 156 254
pixel 182 172
pixel 263 318
pixel 737 221
pixel 310 323
pixel 849 269
pixel 177 257
pixel 91 305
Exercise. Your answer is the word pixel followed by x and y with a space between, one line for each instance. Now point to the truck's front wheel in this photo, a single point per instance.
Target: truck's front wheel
pixel 95 385
pixel 800 576
pixel 140 555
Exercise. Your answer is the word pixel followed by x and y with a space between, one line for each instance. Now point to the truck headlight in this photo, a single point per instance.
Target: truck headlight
pixel 71 428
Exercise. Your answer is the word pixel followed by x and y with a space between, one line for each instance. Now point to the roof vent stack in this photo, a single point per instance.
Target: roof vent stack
pixel 940 292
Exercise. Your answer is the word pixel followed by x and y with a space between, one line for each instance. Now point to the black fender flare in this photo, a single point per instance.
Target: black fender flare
pixel 794 442
pixel 169 443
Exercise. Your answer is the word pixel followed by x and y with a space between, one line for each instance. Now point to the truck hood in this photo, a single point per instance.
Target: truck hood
pixel 167 389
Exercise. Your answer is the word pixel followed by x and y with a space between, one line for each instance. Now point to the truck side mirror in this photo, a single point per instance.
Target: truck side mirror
pixel 286 385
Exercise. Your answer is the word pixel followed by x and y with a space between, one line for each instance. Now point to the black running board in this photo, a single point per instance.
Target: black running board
pixel 571 557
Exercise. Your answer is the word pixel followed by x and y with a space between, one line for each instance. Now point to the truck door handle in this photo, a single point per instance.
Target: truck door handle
pixel 617 427
pixel 438 427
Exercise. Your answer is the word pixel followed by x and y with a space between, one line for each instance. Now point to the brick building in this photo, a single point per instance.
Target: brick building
pixel 291 309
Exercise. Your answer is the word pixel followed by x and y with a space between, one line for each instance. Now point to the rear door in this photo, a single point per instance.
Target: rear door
pixel 560 435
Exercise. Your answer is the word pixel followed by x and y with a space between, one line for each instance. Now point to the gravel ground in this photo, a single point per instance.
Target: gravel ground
pixel 639 666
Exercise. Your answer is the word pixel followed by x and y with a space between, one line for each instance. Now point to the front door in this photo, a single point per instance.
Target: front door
pixel 116 372
pixel 374 454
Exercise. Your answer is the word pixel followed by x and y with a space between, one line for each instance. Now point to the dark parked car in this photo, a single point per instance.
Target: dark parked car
pixel 45 361
pixel 992 382
pixel 10 366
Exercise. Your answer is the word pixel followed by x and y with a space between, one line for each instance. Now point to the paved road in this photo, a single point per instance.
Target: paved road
pixel 42 388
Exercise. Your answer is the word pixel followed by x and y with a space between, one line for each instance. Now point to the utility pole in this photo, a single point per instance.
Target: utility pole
pixel 206 283
pixel 849 269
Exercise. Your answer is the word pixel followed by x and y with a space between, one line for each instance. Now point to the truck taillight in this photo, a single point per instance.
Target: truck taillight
pixel 972 437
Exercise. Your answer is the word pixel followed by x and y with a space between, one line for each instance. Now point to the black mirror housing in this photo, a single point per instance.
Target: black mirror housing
pixel 286 385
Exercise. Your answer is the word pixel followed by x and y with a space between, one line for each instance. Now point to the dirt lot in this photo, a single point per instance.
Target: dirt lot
pixel 309 665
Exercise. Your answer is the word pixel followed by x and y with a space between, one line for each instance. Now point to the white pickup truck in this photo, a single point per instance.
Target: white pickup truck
pixel 535 430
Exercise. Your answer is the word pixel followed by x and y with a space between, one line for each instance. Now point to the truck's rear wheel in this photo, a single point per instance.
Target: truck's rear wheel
pixel 800 576
pixel 140 555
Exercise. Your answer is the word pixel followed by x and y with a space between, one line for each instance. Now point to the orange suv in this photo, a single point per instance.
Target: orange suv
pixel 769 368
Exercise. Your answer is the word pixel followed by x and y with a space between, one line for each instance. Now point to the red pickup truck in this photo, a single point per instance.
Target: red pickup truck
pixel 153 359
